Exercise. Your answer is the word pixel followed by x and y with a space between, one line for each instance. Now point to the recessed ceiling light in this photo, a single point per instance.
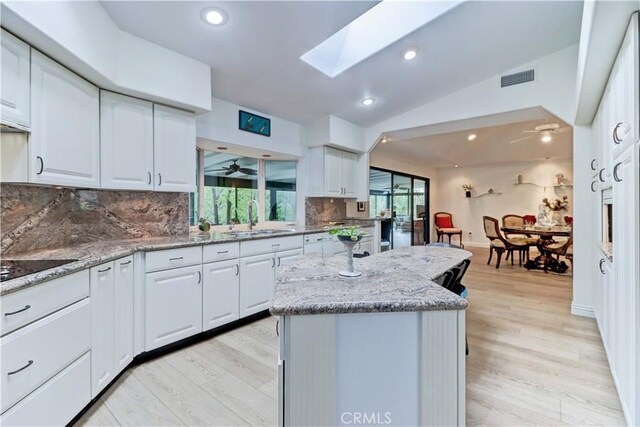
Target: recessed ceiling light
pixel 471 137
pixel 384 140
pixel 546 138
pixel 368 101
pixel 214 16
pixel 456 165
pixel 410 54
pixel 221 148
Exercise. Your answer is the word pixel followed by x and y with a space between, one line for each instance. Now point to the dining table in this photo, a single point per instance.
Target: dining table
pixel 546 235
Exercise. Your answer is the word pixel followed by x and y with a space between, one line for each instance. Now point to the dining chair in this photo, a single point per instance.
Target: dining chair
pixel 500 244
pixel 511 220
pixel 444 226
pixel 559 249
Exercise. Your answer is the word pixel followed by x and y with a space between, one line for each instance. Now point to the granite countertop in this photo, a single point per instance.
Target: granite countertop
pixel 397 280
pixel 95 253
pixel 607 249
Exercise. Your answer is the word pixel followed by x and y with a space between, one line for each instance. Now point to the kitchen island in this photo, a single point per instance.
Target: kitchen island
pixel 385 348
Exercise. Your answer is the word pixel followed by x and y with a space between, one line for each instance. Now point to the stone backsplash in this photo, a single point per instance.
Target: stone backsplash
pixel 320 210
pixel 34 218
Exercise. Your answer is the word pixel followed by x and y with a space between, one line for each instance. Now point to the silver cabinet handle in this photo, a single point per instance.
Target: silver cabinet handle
pixel 615 172
pixel 149 183
pixel 223 252
pixel 176 258
pixel 594 164
pixel 621 125
pixel 26 307
pixel 29 363
pixel 125 263
pixel 279 259
pixel 237 269
pixel 600 265
pixel 159 179
pixel 106 269
pixel 593 184
pixel 277 327
pixel 273 262
pixel 600 175
pixel 199 277
pixel 41 165
pixel 275 245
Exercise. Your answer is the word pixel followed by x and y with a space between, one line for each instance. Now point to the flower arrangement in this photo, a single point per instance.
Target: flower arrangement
pixel 467 187
pixel 353 233
pixel 556 205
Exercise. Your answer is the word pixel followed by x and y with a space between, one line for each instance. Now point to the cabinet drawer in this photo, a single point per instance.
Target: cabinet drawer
pixel 317 237
pixel 23 307
pixel 34 354
pixel 57 401
pixel 262 246
pixel 220 252
pixel 172 258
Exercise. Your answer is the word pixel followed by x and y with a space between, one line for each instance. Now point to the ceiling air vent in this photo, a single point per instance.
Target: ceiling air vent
pixel 517 78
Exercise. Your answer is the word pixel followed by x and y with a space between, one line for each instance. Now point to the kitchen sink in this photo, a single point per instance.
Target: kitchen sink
pixel 258 232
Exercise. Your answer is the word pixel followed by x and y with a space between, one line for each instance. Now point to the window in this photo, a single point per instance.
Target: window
pixel 280 190
pixel 230 182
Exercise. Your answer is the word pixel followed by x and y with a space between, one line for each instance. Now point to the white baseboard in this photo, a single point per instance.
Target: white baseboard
pixel 582 310
pixel 476 244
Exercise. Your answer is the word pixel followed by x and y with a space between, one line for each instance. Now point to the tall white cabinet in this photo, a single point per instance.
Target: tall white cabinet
pixel 334 172
pixel 15 103
pixel 64 146
pixel 174 149
pixel 126 142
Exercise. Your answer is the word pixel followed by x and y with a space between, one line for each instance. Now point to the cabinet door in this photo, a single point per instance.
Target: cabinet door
pixel 102 327
pixel 64 146
pixel 174 133
pixel 287 257
pixel 220 293
pixel 256 283
pixel 15 109
pixel 126 142
pixel 627 87
pixel 173 309
pixel 349 173
pixel 123 324
pixel 332 172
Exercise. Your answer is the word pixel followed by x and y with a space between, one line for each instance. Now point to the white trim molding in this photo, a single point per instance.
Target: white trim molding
pixel 582 310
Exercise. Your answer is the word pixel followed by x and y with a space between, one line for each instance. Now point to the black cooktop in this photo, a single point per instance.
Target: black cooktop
pixel 10 269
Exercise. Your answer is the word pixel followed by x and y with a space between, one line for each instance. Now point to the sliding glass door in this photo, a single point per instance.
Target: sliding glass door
pixel 405 200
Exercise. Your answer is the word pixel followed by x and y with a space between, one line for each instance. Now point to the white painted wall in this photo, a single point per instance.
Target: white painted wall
pixel 83 37
pixel 553 89
pixel 336 132
pixel 520 199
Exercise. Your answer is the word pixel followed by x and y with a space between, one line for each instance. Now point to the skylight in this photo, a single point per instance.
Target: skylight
pixel 377 28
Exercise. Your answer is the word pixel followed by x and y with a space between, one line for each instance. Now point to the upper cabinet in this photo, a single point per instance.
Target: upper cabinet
pixel 15 111
pixel 174 149
pixel 64 147
pixel 126 142
pixel 333 172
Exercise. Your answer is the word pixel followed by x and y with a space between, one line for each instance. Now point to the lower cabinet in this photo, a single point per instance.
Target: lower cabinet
pixel 220 293
pixel 111 321
pixel 257 279
pixel 173 305
pixel 286 257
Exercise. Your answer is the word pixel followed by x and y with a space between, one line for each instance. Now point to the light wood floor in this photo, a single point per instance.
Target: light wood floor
pixel 531 363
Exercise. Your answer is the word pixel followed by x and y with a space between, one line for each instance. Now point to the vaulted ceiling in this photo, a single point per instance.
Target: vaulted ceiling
pixel 255 56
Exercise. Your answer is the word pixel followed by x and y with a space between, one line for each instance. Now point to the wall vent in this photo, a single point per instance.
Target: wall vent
pixel 517 78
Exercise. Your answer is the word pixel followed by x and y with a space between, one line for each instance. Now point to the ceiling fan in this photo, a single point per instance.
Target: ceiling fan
pixel 397 187
pixel 234 167
pixel 545 132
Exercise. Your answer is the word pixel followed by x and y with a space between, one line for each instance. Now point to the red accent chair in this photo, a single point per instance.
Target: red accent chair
pixel 444 226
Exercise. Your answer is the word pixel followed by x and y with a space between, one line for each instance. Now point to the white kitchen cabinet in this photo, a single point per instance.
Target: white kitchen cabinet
pixel 173 308
pixel 15 110
pixel 318 243
pixel 102 327
pixel 174 156
pixel 111 321
pixel 623 325
pixel 220 293
pixel 334 171
pixel 288 257
pixel 124 283
pixel 126 142
pixel 64 146
pixel 257 280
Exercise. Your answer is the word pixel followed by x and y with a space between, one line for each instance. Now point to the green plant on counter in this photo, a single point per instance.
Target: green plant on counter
pixel 354 232
pixel 204 225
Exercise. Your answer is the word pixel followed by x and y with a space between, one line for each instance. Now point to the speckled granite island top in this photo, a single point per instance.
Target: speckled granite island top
pixel 397 280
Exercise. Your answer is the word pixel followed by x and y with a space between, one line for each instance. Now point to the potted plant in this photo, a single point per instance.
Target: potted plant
pixel 557 206
pixel 467 189
pixel 349 236
pixel 204 225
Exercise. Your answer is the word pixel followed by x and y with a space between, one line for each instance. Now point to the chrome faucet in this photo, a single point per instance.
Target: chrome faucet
pixel 250 212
